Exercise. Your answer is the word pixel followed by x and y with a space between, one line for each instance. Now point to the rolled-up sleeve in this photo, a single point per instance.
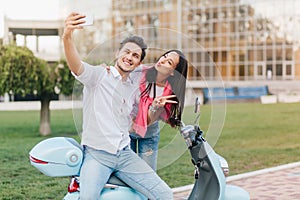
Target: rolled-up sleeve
pixel 91 74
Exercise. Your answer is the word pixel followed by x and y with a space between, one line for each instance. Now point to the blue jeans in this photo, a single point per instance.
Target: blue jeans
pixel 98 165
pixel 147 147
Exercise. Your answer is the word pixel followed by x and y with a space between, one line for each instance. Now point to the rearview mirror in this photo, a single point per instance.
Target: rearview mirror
pixel 197 105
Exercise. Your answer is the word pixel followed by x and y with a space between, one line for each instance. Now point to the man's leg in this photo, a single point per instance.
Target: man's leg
pixel 141 177
pixel 93 174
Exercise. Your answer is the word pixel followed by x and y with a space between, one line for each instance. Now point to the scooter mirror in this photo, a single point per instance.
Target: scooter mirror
pixel 197 110
pixel 197 105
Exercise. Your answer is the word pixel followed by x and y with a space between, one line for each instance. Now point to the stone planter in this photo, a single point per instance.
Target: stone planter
pixel 289 98
pixel 267 99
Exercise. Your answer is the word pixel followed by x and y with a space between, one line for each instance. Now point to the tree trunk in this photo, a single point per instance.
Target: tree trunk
pixel 45 128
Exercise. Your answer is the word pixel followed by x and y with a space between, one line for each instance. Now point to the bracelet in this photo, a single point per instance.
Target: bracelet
pixel 152 108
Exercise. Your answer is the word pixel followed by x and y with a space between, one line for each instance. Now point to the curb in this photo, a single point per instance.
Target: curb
pixel 263 171
pixel 242 176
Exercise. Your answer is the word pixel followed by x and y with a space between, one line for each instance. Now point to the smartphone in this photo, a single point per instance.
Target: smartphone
pixel 89 20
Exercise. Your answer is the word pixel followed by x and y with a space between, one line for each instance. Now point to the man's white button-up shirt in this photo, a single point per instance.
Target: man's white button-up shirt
pixel 107 104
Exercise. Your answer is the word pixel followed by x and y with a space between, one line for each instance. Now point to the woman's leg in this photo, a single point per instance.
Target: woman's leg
pixel 148 150
pixel 148 146
pixel 133 143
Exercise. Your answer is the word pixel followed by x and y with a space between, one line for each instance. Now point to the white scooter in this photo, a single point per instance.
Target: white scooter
pixel 62 156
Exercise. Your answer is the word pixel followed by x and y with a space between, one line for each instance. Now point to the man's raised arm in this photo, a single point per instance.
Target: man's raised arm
pixel 72 22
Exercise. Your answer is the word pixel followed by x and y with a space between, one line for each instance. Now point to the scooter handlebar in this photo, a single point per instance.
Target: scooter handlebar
pixel 191 134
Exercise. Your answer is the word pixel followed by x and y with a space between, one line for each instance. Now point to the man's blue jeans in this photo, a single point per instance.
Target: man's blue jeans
pixel 128 166
pixel 147 147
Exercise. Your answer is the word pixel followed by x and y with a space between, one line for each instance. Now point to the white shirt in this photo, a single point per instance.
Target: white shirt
pixel 107 104
pixel 158 90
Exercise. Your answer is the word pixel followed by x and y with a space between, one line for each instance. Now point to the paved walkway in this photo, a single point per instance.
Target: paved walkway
pixel 36 105
pixel 278 183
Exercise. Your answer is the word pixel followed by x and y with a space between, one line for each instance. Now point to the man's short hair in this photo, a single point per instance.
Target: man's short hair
pixel 138 41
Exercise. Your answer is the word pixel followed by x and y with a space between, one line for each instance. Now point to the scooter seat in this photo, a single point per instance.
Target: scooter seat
pixel 116 181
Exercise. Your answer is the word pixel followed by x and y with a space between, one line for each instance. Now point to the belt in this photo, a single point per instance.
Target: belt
pixel 124 148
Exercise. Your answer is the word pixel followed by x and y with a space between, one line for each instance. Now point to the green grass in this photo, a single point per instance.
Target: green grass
pixel 19 133
pixel 254 136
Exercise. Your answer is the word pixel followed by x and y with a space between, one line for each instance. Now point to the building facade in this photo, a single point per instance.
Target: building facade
pixel 230 40
pixel 227 42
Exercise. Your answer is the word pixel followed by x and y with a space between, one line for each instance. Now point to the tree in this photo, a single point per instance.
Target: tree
pixel 22 73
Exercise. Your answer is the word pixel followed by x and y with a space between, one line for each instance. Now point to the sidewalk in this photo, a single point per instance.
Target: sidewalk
pixel 277 183
pixel 36 105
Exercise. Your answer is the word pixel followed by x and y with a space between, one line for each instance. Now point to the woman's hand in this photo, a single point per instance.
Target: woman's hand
pixel 160 102
pixel 106 67
pixel 155 108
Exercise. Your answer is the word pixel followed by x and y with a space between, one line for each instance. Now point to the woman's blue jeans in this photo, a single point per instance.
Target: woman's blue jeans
pixel 98 165
pixel 147 147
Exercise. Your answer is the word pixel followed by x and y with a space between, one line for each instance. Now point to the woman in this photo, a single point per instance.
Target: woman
pixel 162 96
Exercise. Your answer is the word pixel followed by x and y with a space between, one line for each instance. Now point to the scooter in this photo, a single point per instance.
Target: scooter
pixel 62 156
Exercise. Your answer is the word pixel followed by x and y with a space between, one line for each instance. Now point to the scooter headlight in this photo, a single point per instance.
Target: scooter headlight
pixel 224 166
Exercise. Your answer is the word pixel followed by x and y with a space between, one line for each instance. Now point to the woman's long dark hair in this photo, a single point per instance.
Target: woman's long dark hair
pixel 178 85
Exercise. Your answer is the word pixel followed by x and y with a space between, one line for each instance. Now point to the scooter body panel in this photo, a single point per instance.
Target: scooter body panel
pixel 72 196
pixel 236 193
pixel 115 193
pixel 57 157
pixel 215 162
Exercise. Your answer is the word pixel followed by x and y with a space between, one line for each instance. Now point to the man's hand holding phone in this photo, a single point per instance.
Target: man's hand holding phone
pixel 89 20
pixel 76 21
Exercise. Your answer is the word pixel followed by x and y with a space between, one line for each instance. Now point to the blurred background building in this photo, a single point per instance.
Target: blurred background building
pixel 245 45
pixel 227 42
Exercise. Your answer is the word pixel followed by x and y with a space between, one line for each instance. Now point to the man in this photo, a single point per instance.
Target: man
pixel 108 99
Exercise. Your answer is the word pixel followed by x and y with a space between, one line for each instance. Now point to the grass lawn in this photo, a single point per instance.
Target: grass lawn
pixel 254 136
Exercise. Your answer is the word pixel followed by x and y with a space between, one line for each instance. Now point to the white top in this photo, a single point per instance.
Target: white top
pixel 159 91
pixel 107 104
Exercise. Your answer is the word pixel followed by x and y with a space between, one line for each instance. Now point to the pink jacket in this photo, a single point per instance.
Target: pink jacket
pixel 140 122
